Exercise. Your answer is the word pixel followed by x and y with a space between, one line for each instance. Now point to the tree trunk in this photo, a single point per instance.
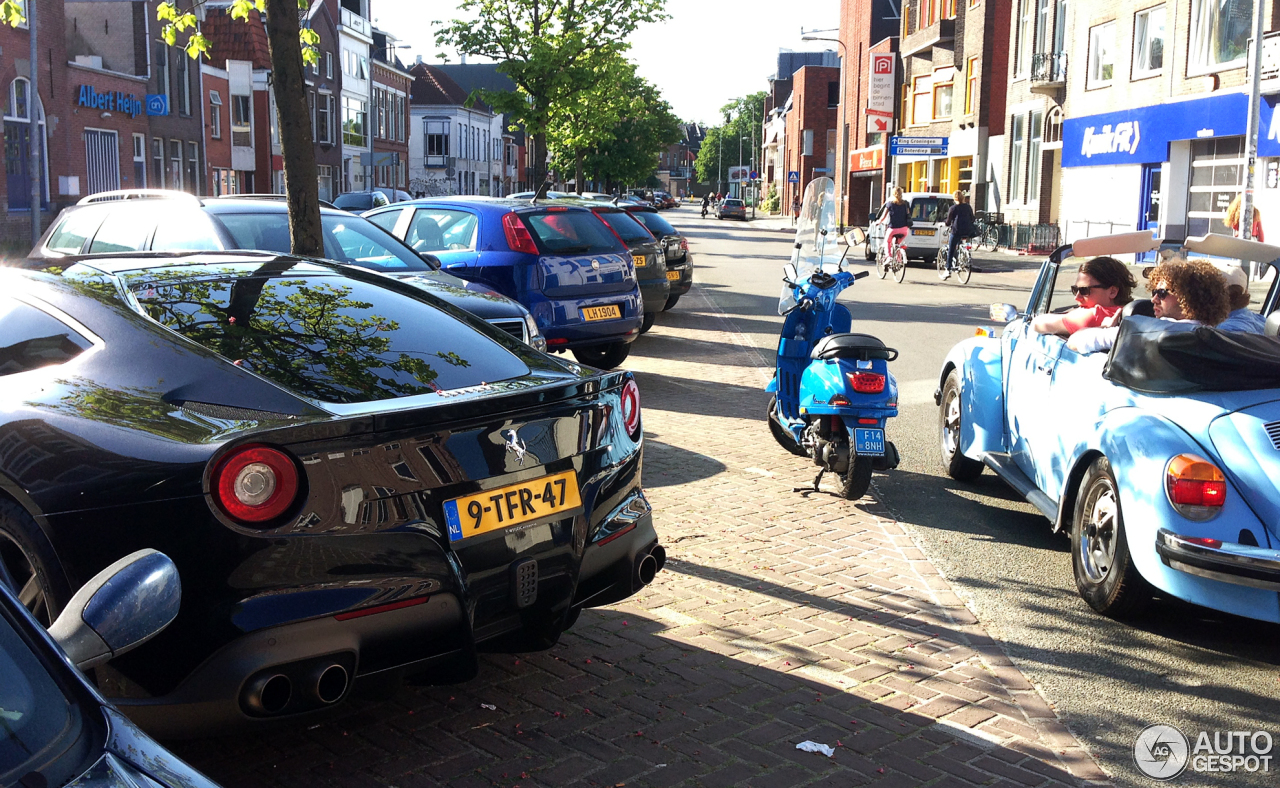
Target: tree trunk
pixel 539 161
pixel 301 185
pixel 578 173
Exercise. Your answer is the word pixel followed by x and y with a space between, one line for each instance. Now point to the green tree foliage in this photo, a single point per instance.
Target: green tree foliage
pixel 551 49
pixel 646 126
pixel 742 116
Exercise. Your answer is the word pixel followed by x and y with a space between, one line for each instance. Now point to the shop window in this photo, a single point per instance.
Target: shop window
pixel 157 162
pixel 242 121
pixel 215 114
pixel 1102 54
pixel 1148 42
pixel 1022 46
pixel 1017 161
pixel 1033 156
pixel 921 101
pixel 1219 34
pixel 964 174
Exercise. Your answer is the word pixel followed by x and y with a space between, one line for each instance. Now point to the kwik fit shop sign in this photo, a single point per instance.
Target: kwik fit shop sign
pixel 110 101
pixel 1142 135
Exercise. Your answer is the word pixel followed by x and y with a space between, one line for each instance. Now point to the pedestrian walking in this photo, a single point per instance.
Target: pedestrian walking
pixel 1233 220
pixel 795 208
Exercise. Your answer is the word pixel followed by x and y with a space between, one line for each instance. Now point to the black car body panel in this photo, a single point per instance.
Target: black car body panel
pixel 115 449
pixel 647 252
pixel 675 246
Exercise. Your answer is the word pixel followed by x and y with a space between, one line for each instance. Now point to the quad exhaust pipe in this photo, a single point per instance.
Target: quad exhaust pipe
pixel 295 688
pixel 329 683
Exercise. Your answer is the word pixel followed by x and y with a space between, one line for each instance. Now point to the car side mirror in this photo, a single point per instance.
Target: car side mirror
pixel 789 273
pixel 856 237
pixel 431 259
pixel 1004 313
pixel 122 607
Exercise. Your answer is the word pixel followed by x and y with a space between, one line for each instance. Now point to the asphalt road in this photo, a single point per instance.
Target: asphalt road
pixel 1177 664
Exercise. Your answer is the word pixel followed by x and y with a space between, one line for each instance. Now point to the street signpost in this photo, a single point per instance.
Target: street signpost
pixel 793 177
pixel 880 93
pixel 918 146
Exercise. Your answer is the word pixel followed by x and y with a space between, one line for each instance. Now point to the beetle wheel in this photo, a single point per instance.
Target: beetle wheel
pixel 1105 575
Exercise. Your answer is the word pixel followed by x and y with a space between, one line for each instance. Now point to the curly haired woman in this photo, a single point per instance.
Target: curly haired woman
pixel 1185 291
pixel 1233 220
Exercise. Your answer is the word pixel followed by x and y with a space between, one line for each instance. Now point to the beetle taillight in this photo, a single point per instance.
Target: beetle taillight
pixel 631 408
pixel 1196 487
pixel 518 236
pixel 866 382
pixel 255 483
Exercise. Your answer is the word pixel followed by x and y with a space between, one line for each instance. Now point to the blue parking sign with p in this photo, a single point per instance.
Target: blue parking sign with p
pixel 793 177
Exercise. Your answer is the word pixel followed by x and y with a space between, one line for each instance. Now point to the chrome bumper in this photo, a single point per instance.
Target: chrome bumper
pixel 1229 562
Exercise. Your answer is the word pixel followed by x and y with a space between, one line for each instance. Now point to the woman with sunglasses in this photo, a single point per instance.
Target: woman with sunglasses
pixel 1103 285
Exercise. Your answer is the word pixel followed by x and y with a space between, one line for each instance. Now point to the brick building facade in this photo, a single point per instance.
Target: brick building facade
pixel 811 126
pixel 866 27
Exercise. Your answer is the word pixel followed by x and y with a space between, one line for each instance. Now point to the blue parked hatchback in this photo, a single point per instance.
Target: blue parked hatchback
pixel 561 262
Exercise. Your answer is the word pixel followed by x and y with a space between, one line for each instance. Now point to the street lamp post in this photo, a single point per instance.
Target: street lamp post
pixel 842 139
pixel 34 139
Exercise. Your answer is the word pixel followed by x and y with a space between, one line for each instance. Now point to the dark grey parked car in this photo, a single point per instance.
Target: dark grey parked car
pixel 55 729
pixel 134 221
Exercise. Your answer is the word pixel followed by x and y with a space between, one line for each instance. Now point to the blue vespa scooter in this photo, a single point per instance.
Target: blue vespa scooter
pixel 833 392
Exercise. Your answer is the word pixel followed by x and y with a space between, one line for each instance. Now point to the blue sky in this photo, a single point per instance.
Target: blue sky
pixel 708 53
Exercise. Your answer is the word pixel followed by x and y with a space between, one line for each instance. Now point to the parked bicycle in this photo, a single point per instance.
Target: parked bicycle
pixel 964 259
pixel 987 224
pixel 894 260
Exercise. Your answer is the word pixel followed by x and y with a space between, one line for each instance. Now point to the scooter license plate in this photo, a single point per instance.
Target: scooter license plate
pixel 868 441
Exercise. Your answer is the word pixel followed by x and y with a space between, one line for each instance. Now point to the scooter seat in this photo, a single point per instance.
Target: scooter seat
pixel 863 346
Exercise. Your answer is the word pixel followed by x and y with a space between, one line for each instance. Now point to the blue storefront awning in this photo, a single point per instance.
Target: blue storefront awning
pixel 1142 135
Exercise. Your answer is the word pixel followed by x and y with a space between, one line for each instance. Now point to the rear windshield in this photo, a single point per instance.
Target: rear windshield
pixel 631 231
pixel 353 201
pixel 733 203
pixel 930 209
pixel 347 239
pixel 571 232
pixel 655 223
pixel 326 337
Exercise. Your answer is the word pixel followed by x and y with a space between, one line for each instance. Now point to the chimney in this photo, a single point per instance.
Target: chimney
pixel 418 60
pixel 464 58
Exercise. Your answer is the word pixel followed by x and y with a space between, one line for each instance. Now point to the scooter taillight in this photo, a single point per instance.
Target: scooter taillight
pixel 866 382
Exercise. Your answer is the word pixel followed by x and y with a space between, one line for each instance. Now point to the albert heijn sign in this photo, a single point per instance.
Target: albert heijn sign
pixel 109 101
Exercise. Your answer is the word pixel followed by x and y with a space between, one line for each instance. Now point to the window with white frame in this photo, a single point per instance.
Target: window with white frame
pixel 1044 11
pixel 162 69
pixel 1148 42
pixel 1025 30
pixel 355 121
pixel 437 142
pixel 324 118
pixel 943 92
pixel 242 121
pixel 328 65
pixel 921 101
pixel 1017 153
pixel 1219 34
pixel 1033 156
pixel 157 163
pixel 139 161
pixel 184 84
pixel 1102 54
pixel 215 114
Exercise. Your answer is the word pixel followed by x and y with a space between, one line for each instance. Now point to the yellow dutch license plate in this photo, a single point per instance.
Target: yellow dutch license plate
pixel 504 507
pixel 611 312
pixel 923 232
pixel 639 260
pixel 673 275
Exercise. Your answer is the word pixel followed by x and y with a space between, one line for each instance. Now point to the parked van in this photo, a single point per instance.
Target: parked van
pixel 928 214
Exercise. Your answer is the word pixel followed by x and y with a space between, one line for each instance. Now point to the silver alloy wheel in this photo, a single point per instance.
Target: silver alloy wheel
pixel 1101 531
pixel 951 424
pixel 17 570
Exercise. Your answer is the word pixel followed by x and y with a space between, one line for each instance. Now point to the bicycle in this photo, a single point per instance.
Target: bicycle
pixel 987 238
pixel 964 260
pixel 895 261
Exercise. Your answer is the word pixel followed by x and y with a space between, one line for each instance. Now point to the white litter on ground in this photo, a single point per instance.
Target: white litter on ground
pixel 813 746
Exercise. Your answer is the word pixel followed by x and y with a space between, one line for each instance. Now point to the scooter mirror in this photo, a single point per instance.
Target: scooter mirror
pixel 856 237
pixel 1004 313
pixel 789 272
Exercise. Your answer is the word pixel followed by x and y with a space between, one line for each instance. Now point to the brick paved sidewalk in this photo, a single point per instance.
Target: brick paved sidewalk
pixel 780 618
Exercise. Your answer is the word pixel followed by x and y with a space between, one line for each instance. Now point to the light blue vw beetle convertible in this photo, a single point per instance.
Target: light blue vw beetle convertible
pixel 1160 457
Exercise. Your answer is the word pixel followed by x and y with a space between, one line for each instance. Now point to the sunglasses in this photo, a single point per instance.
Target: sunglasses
pixel 1077 291
pixel 1161 293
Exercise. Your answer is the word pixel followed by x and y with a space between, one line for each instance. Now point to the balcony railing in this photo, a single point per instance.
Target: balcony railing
pixel 1049 69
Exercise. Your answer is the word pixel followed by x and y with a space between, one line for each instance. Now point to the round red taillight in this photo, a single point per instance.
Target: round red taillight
pixel 254 483
pixel 631 407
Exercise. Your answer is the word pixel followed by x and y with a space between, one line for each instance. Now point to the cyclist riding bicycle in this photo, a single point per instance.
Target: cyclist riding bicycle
pixel 960 220
pixel 897 215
